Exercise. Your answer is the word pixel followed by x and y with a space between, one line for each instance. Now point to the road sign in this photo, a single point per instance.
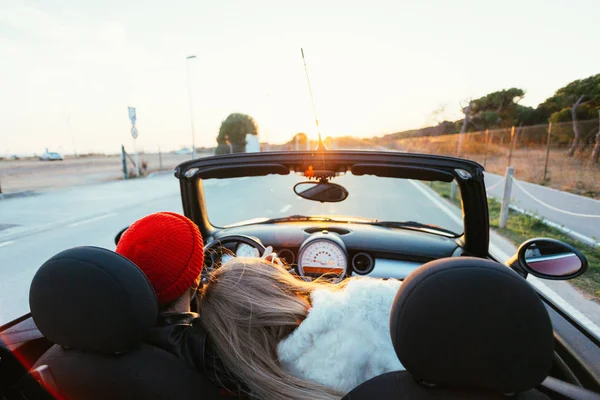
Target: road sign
pixel 134 132
pixel 132 116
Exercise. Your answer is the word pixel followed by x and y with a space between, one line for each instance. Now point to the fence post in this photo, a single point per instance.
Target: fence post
pixel 124 162
pixel 459 144
pixel 512 144
pixel 510 172
pixel 453 187
pixel 487 131
pixel 547 152
pixel 159 159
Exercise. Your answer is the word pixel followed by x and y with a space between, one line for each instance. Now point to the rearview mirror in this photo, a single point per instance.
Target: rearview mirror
pixel 325 192
pixel 551 259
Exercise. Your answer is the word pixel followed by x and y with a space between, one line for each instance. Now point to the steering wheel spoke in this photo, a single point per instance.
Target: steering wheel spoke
pixel 213 252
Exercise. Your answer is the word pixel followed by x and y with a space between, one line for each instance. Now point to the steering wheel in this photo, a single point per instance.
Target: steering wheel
pixel 215 248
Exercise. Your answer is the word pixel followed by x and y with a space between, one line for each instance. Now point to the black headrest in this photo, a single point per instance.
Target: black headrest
pixel 92 299
pixel 472 323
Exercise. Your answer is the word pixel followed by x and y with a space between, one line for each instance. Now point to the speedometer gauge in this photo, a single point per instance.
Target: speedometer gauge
pixel 323 255
pixel 245 250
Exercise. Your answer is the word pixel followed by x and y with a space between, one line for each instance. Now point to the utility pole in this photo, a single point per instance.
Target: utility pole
pixel 191 107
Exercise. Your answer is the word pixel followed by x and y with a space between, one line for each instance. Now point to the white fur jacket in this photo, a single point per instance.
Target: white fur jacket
pixel 345 339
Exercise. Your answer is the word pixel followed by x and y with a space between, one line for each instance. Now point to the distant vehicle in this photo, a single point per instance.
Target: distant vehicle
pixel 51 156
pixel 13 157
pixel 185 150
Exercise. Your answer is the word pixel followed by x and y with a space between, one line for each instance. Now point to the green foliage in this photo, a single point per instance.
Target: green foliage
pixel 521 227
pixel 501 110
pixel 234 130
pixel 446 127
pixel 500 101
pixel 530 116
pixel 565 97
pixel 566 114
pixel 222 148
pixel 496 109
pixel 489 118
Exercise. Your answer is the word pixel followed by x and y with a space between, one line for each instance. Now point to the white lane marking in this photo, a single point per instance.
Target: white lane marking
pixel 574 214
pixel 87 221
pixel 285 208
pixel 6 243
pixel 438 203
pixel 561 228
pixel 555 297
pixel 489 188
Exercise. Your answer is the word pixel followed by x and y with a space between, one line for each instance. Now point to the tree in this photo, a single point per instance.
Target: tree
pixel 578 100
pixel 233 131
pixel 301 139
pixel 530 116
pixel 467 111
pixel 565 97
pixel 437 118
pixel 497 109
pixel 596 151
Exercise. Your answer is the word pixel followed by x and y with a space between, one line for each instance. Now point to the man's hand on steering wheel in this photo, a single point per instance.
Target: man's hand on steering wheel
pixel 270 256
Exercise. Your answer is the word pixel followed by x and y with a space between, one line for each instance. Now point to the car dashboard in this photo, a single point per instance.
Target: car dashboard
pixel 345 249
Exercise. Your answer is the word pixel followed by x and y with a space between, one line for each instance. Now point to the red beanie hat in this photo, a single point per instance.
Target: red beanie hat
pixel 168 248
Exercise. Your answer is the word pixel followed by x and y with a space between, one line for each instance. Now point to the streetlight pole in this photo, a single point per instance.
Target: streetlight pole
pixel 191 107
pixel 266 132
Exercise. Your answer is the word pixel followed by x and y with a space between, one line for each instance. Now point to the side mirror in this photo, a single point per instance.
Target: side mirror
pixel 325 192
pixel 551 259
pixel 118 237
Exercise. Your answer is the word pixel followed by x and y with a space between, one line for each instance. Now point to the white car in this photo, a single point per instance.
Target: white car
pixel 51 156
pixel 185 150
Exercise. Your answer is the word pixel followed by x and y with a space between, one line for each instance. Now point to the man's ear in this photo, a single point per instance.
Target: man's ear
pixel 196 283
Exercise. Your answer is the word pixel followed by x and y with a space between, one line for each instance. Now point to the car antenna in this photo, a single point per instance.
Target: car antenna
pixel 320 146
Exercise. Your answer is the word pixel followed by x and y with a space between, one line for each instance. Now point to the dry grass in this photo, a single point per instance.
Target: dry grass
pixel 32 174
pixel 574 174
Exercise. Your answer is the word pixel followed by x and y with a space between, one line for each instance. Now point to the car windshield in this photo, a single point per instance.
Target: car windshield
pixel 252 199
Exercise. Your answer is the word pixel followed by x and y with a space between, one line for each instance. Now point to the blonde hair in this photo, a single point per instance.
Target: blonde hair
pixel 247 307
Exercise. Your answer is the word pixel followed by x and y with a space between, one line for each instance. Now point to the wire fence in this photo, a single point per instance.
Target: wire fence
pixel 539 153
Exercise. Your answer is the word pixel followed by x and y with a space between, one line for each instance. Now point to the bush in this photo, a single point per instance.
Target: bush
pixel 234 130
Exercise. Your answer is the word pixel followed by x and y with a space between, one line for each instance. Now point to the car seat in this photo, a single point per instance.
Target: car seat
pixel 96 306
pixel 465 328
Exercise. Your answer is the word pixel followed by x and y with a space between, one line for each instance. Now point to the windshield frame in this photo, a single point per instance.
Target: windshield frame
pixel 468 175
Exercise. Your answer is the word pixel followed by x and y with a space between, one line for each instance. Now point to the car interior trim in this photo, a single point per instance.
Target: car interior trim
pixel 386 268
pixel 402 172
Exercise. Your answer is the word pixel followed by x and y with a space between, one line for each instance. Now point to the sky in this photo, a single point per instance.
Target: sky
pixel 70 68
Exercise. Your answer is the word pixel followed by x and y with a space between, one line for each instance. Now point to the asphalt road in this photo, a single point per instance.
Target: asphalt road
pixel 33 229
pixel 233 200
pixel 46 224
pixel 577 213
